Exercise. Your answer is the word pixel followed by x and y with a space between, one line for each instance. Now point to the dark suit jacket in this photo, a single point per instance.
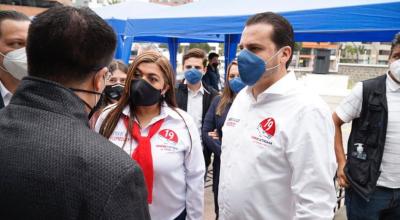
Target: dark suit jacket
pixel 182 97
pixel 211 77
pixel 52 166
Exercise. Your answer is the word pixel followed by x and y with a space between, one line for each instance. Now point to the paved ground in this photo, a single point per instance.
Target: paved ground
pixel 332 89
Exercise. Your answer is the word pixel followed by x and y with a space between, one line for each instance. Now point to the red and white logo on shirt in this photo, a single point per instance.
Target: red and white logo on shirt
pixel 266 128
pixel 169 137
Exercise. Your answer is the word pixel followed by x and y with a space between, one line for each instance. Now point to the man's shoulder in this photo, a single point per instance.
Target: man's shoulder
pixel 374 82
pixel 99 148
pixel 308 100
pixel 181 88
pixel 381 77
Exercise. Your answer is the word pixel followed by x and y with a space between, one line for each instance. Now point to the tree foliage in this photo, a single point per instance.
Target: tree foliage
pixel 111 2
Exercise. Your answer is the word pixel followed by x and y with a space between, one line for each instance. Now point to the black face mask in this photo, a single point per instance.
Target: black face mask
pixel 114 91
pixel 94 108
pixel 215 65
pixel 144 94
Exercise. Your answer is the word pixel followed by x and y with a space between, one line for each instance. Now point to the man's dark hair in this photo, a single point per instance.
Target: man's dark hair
pixel 283 31
pixel 212 55
pixel 395 42
pixel 12 15
pixel 67 44
pixel 196 53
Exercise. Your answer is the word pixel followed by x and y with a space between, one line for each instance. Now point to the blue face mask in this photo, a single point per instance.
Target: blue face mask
pixel 251 67
pixel 236 84
pixel 193 76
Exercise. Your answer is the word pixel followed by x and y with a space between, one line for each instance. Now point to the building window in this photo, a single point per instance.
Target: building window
pixel 384 52
pixel 305 51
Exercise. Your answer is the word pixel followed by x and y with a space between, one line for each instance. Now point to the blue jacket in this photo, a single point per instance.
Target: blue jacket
pixel 211 122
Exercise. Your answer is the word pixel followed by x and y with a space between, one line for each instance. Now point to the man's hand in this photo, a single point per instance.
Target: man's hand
pixel 341 176
pixel 340 156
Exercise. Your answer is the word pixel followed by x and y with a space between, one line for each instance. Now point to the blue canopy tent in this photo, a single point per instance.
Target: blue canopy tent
pixel 118 14
pixel 313 20
pixel 172 41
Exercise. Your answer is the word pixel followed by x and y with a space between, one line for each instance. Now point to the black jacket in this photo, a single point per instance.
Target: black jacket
pixel 182 97
pixel 1 101
pixel 368 132
pixel 211 77
pixel 52 166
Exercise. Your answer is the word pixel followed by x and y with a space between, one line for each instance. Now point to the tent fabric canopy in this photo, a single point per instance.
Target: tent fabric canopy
pixel 117 16
pixel 214 17
pixel 223 21
pixel 129 9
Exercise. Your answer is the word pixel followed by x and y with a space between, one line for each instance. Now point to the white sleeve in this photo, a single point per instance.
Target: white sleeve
pixel 311 156
pixel 195 171
pixel 350 107
pixel 100 120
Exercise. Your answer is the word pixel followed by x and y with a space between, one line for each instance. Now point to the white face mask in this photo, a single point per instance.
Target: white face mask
pixel 395 69
pixel 15 62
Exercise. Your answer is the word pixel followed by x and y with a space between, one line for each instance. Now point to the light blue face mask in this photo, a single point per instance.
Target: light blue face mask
pixel 252 67
pixel 193 75
pixel 236 84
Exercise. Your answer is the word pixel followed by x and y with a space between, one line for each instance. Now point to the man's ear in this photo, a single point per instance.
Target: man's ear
pixel 99 79
pixel 286 53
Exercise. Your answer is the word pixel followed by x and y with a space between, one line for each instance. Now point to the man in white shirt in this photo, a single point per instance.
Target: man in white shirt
pixel 371 171
pixel 277 158
pixel 13 33
pixel 193 95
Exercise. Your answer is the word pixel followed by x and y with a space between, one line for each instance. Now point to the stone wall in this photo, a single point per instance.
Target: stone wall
pixel 358 72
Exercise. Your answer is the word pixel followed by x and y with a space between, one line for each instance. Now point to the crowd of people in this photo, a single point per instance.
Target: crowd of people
pixel 84 136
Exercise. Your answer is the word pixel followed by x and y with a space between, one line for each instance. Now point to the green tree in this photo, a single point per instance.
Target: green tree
pixel 297 46
pixel 203 46
pixel 111 2
pixel 163 46
pixel 354 50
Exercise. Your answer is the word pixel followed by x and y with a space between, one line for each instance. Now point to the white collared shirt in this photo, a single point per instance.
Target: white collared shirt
pixel 278 159
pixel 195 106
pixel 350 108
pixel 6 95
pixel 178 163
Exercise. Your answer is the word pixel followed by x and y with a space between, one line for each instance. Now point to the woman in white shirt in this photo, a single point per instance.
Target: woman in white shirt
pixel 162 139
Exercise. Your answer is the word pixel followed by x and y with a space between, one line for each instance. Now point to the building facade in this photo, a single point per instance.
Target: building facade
pixel 375 53
pixel 95 3
pixel 305 55
pixel 31 7
pixel 171 2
